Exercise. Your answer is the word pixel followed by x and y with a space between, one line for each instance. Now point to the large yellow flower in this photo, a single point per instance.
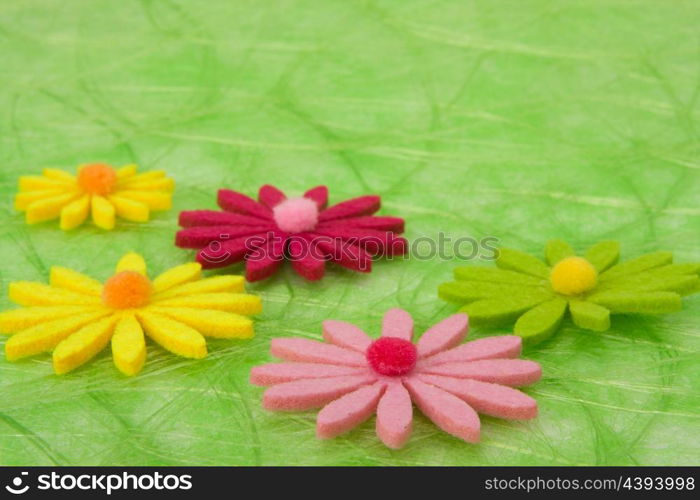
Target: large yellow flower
pixel 98 189
pixel 76 316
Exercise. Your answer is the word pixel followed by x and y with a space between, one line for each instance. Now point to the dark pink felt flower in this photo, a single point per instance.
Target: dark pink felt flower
pixel 303 230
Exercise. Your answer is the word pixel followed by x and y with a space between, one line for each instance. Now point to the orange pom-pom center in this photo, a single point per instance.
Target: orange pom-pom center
pixel 97 178
pixel 127 290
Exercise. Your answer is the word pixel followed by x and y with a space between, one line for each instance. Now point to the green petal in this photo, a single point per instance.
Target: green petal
pixel 683 284
pixel 462 292
pixel 557 250
pixel 498 311
pixel 589 315
pixel 495 276
pixel 603 255
pixel 649 302
pixel 634 266
pixel 540 322
pixel 515 260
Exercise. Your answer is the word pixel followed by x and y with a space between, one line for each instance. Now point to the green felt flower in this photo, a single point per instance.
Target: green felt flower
pixel 536 295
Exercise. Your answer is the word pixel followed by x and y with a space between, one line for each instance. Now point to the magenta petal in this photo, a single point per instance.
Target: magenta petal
pixel 198 237
pixel 270 196
pixel 311 393
pixel 397 323
pixel 446 334
pixel 349 411
pixel 345 334
pixel 502 346
pixel 491 399
pixel 232 201
pixel 193 218
pixel 515 372
pixel 307 261
pixel 265 260
pixel 319 194
pixel 377 223
pixel 278 373
pixel 395 416
pixel 375 242
pixel 305 350
pixel 230 251
pixel 447 411
pixel 347 255
pixel 363 205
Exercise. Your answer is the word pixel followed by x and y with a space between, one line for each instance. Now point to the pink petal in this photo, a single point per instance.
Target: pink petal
pixel 230 251
pixel 375 242
pixel 232 201
pixel 503 346
pixel 306 394
pixel 198 237
pixel 319 194
pixel 377 223
pixel 307 261
pixel 490 399
pixel 345 254
pixel 345 334
pixel 395 416
pixel 515 372
pixel 270 196
pixel 277 373
pixel 305 350
pixel 193 218
pixel 266 259
pixel 364 205
pixel 448 412
pixel 349 411
pixel 446 334
pixel 397 323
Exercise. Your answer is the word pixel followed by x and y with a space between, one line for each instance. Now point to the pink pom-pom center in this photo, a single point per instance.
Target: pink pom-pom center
pixel 392 356
pixel 295 215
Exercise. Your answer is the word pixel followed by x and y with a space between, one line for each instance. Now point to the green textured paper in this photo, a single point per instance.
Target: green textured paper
pixel 523 120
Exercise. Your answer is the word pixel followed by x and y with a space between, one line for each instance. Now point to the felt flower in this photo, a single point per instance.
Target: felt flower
pixel 98 190
pixel 537 295
pixel 302 229
pixel 353 377
pixel 76 316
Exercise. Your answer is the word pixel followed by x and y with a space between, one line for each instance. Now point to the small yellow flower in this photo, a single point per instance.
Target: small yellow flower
pixel 76 316
pixel 98 189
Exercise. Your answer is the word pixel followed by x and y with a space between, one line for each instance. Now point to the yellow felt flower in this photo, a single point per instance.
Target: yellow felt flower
pixel 98 190
pixel 76 316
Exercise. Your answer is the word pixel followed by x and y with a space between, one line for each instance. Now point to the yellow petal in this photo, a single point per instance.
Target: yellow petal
pixel 178 275
pixel 241 303
pixel 231 283
pixel 39 183
pixel 173 335
pixel 132 262
pixel 165 184
pixel 153 199
pixel 128 346
pixel 126 172
pixel 44 337
pixel 48 208
pixel 17 320
pixel 82 345
pixel 130 210
pixel 23 200
pixel 74 281
pixel 145 177
pixel 58 175
pixel 75 213
pixel 210 323
pixel 102 212
pixel 29 293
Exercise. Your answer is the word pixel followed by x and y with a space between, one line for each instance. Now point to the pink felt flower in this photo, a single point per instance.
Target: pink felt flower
pixel 303 230
pixel 353 376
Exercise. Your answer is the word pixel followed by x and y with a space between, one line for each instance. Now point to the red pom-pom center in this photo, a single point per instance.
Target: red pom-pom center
pixel 392 356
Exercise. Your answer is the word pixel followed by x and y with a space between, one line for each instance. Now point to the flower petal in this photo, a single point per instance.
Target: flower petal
pixel 305 350
pixel 16 320
pixel 215 284
pixel 48 208
pixel 278 373
pixel 397 323
pixel 126 172
pixel 319 194
pixel 376 223
pixel 603 255
pixel 82 345
pixel 500 311
pixel 23 200
pixel 306 394
pixel 515 372
pixel 448 412
pixel 127 176
pixel 374 242
pixel 540 322
pixel 176 276
pixel 363 205
pixel 491 399
pixel 174 336
pixel 41 183
pixel 59 175
pixel 462 292
pixel 167 184
pixel 241 303
pixel 395 416
pixel 635 266
pixel 29 293
pixel 589 315
pixel 501 346
pixel 198 237
pixel 264 261
pixel 128 346
pixel 196 218
pixel 131 210
pixel 270 196
pixel 345 334
pixel 348 411
pixel 444 335
pixel 627 302
pixel 307 260
pixel 494 276
pixel 210 323
pixel 347 255
pixel 67 279
pixel 75 213
pixel 232 201
pixel 679 278
pixel 152 199
pixel 103 212
pixel 515 260
pixel 556 250
pixel 230 251
pixel 132 262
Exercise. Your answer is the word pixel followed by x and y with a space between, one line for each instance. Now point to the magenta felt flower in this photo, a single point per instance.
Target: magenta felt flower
pixel 302 229
pixel 353 376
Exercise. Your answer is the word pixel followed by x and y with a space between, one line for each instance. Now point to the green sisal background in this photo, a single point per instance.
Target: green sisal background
pixel 521 120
